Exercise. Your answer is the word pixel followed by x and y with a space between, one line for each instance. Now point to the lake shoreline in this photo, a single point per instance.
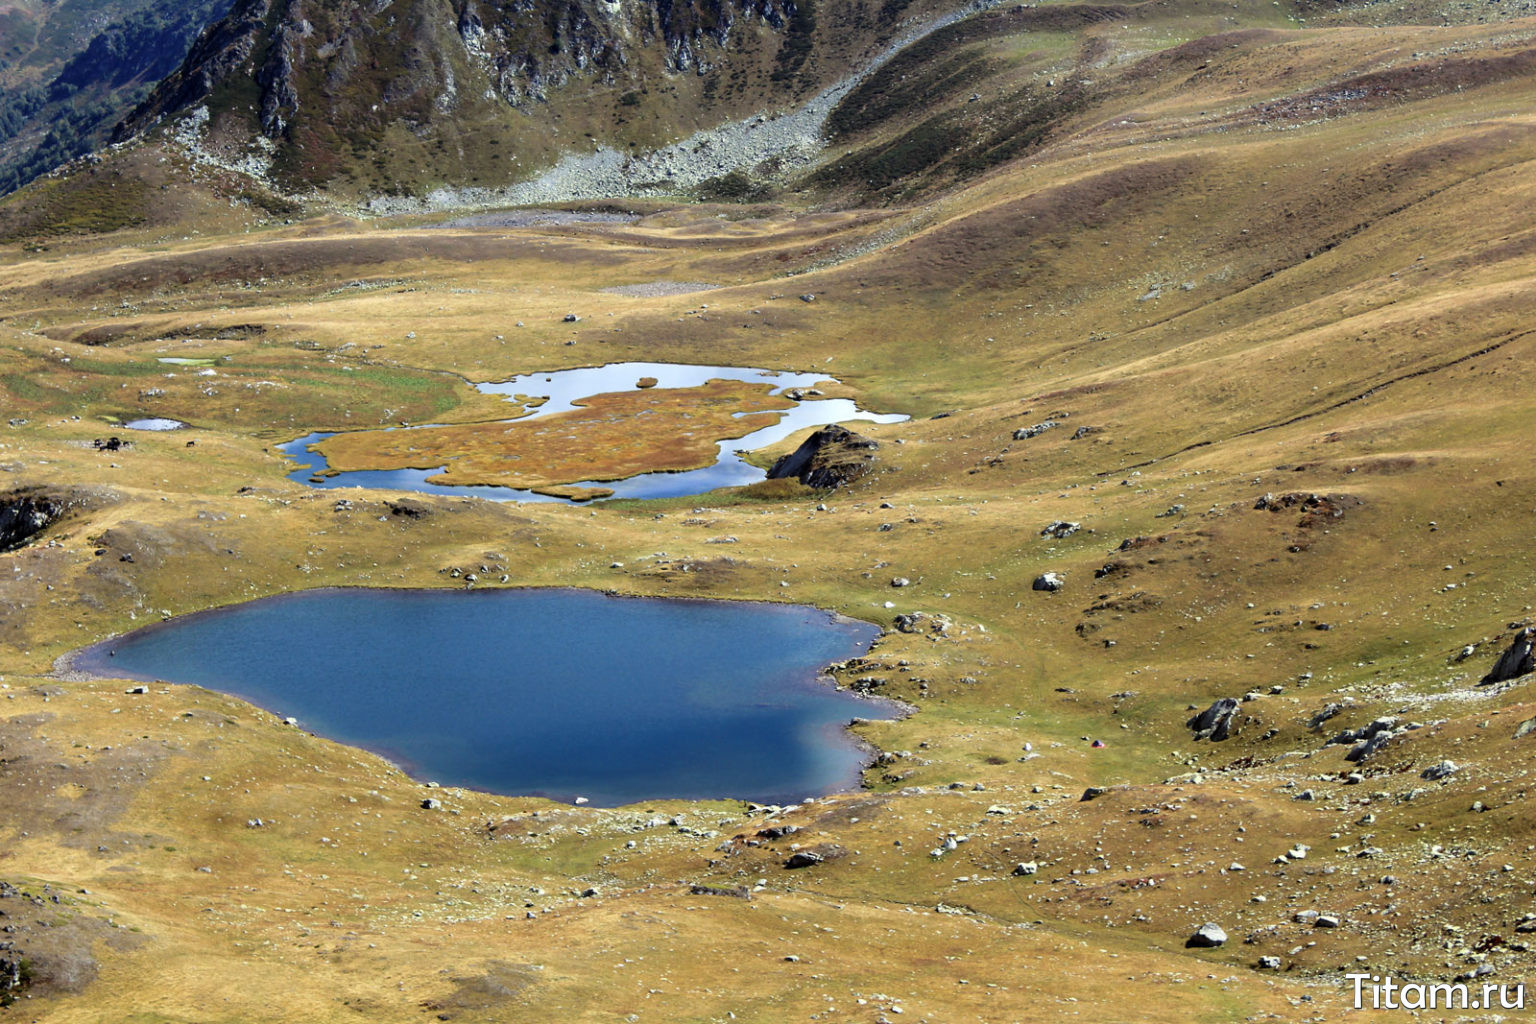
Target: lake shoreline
pixel 93 662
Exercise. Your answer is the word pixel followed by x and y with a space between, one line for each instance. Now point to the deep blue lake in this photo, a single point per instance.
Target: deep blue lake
pixel 561 693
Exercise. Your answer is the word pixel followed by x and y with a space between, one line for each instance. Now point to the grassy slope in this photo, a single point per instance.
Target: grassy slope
pixel 1356 327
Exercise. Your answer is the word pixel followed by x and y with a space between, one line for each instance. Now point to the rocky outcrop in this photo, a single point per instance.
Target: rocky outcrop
pixel 10 978
pixel 1215 722
pixel 219 53
pixel 1368 738
pixel 829 458
pixel 26 514
pixel 1516 661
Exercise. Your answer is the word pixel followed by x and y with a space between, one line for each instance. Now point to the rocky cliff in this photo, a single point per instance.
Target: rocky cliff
pixel 395 95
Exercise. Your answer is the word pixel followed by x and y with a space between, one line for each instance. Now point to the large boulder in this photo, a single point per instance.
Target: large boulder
pixel 1207 936
pixel 24 514
pixel 1518 660
pixel 1215 722
pixel 830 457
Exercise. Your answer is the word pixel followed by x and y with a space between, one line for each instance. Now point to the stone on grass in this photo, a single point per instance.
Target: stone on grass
pixel 1518 660
pixel 1049 582
pixel 1215 722
pixel 1207 936
pixel 1440 770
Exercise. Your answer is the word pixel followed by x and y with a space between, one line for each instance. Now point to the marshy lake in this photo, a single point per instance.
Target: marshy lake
pixel 554 692
pixel 561 391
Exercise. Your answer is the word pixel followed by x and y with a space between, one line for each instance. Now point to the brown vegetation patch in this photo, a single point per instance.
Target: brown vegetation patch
pixel 500 983
pixel 1197 53
pixel 79 800
pixel 984 247
pixel 133 331
pixel 609 437
pixel 1386 466
pixel 1140 601
pixel 48 943
pixel 1396 85
pixel 288 258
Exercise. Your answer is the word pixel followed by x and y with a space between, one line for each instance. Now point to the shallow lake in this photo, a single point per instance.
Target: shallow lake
pixel 563 387
pixel 154 423
pixel 556 692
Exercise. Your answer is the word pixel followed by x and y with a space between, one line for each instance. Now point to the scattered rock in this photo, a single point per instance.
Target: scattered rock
pixel 1315 508
pixel 1442 770
pixel 1024 433
pixel 1327 712
pixel 921 622
pixel 1367 739
pixel 1061 529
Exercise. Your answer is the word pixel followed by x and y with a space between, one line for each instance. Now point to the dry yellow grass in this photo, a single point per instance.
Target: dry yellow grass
pixel 607 437
pixel 1356 326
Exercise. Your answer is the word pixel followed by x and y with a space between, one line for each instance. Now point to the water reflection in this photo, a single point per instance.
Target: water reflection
pixel 562 388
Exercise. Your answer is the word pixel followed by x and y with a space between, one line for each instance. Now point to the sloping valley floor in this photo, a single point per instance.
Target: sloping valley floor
pixel 1271 303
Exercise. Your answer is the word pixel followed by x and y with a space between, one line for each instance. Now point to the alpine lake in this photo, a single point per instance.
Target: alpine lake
pixel 570 694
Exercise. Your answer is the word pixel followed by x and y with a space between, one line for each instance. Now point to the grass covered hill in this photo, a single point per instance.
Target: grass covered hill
pixel 1221 314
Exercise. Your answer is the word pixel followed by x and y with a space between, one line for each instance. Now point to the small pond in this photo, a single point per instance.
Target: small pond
pixel 154 423
pixel 556 692
pixel 563 387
